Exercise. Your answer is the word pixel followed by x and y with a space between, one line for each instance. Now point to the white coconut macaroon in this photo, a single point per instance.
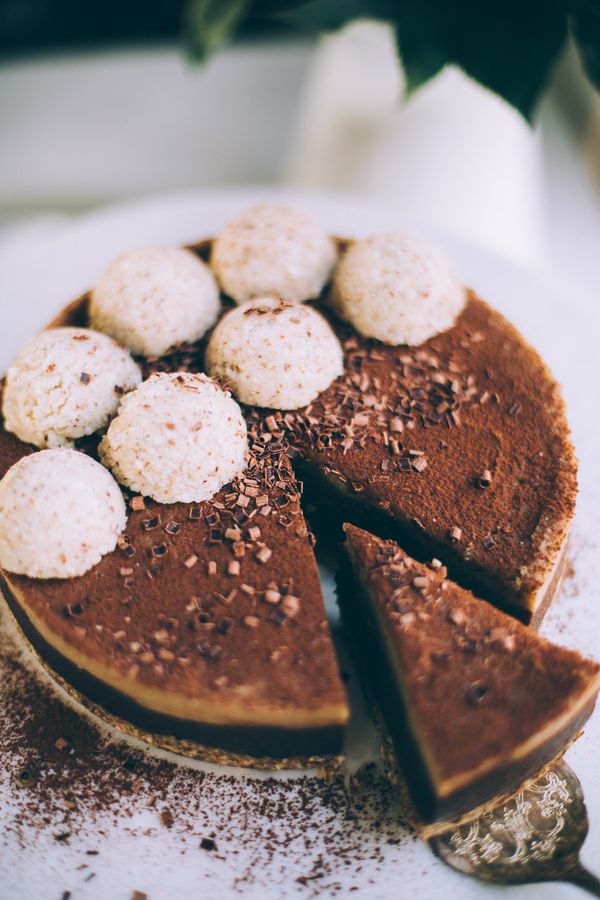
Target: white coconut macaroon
pixel 66 383
pixel 60 512
pixel 397 287
pixel 155 298
pixel 274 353
pixel 178 438
pixel 273 250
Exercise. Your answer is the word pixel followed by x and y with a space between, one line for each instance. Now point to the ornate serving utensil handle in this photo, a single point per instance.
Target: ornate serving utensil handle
pixel 583 878
pixel 535 836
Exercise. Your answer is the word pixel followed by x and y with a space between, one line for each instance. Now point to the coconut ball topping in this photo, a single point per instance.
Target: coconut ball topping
pixel 153 299
pixel 274 353
pixel 398 288
pixel 66 383
pixel 60 512
pixel 178 438
pixel 273 250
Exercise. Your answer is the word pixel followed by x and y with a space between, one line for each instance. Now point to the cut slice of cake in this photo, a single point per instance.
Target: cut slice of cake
pixel 475 702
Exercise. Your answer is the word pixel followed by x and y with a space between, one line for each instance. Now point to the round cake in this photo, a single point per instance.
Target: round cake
pixel 205 630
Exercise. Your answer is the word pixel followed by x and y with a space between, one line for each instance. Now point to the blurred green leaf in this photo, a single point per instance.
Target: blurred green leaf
pixel 326 15
pixel 509 47
pixel 586 32
pixel 210 24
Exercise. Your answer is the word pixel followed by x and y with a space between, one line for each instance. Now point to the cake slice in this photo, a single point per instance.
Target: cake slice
pixel 475 702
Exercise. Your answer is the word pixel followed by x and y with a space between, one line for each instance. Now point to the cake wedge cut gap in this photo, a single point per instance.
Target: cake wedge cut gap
pixel 475 703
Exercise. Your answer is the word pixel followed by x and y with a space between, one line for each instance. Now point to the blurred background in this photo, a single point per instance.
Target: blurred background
pixel 104 103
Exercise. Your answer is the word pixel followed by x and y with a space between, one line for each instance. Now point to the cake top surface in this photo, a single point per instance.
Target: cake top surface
pixel 413 431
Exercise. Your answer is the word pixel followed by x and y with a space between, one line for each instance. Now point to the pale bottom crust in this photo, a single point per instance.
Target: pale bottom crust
pixel 192 749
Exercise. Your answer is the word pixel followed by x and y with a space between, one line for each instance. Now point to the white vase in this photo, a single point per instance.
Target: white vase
pixel 453 155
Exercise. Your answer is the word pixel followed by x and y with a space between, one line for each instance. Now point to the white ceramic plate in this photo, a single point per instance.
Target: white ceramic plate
pixel 340 845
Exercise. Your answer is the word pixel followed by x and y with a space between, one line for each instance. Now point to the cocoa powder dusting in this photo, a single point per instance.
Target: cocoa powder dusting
pixel 70 781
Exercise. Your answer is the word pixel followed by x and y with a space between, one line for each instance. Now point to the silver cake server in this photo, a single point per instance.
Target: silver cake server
pixel 535 836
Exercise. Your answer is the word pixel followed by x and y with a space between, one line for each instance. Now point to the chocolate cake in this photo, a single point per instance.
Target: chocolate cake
pixel 205 630
pixel 475 702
